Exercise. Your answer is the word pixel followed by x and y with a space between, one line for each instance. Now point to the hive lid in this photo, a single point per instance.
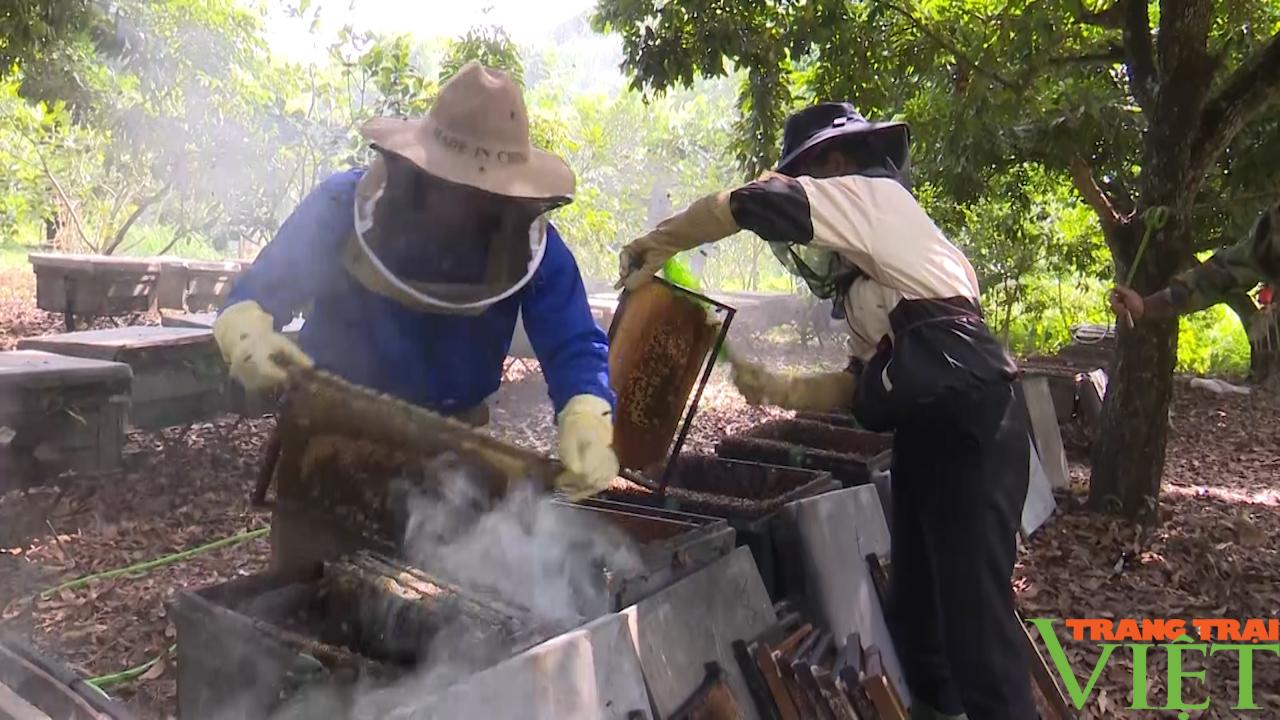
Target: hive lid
pixel 105 343
pixel 662 343
pixel 31 369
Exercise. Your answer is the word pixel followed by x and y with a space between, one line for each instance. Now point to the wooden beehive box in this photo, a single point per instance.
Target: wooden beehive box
pixel 209 283
pixel 246 646
pixel 342 454
pixel 94 284
pixel 60 413
pixel 178 373
pixel 844 452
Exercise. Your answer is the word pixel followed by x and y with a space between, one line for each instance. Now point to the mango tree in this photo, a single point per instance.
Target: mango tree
pixel 1156 110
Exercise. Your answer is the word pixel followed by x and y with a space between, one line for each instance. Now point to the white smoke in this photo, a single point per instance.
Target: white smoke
pixel 525 551
pixel 530 552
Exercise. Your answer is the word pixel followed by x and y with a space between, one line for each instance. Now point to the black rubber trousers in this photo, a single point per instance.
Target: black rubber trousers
pixel 960 473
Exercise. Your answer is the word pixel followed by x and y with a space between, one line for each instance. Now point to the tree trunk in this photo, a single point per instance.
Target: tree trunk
pixel 1128 458
pixel 1264 364
pixel 1264 347
pixel 753 278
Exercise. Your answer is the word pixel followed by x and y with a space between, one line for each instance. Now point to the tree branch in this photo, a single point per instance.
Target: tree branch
pixel 1121 196
pixel 177 238
pixel 62 194
pixel 143 204
pixel 949 46
pixel 1139 52
pixel 1242 98
pixel 1112 54
pixel 1112 17
pixel 1082 178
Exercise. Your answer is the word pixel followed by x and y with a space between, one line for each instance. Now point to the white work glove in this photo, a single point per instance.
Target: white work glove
pixel 705 221
pixel 258 355
pixel 824 392
pixel 586 446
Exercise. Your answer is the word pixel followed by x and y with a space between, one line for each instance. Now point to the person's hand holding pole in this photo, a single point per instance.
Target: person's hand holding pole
pixel 1127 304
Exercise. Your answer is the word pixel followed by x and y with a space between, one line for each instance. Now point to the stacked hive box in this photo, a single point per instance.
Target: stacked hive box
pixel 179 375
pixel 61 413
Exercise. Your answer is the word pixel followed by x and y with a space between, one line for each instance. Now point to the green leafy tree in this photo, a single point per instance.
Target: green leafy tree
pixel 176 127
pixel 1154 109
pixel 490 46
pixel 31 29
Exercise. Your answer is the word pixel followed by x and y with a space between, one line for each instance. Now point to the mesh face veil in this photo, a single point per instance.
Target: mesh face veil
pixel 440 246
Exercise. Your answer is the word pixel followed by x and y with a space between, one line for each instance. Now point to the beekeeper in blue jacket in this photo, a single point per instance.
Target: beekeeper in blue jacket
pixel 416 268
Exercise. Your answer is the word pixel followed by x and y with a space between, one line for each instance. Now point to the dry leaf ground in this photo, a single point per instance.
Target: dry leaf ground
pixel 1215 552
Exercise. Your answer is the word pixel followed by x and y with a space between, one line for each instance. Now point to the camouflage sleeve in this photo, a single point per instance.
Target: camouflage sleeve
pixel 1255 259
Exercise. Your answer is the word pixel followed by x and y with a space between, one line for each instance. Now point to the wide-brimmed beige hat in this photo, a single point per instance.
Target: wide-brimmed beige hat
pixel 477 134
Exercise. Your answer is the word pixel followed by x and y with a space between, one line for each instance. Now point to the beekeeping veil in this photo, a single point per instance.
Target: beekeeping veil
pixel 450 216
pixel 882 149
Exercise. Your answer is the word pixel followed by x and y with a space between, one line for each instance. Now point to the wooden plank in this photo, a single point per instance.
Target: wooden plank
pixel 803 673
pixel 756 683
pixel 94 263
pixel 171 286
pixel 205 320
pixel 792 641
pixel 773 679
pixel 885 698
pixel 839 703
pixel 714 700
pixel 29 370
pixel 1044 679
pixel 801 699
pixel 849 681
pixel 107 344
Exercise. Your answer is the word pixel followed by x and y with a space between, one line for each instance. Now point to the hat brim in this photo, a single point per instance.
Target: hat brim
pixel 543 176
pixel 849 129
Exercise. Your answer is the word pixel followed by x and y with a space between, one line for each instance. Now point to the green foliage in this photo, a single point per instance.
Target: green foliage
pixel 29 29
pixel 169 127
pixel 986 86
pixel 625 150
pixel 490 46
pixel 1213 342
pixel 401 89
pixel 1003 99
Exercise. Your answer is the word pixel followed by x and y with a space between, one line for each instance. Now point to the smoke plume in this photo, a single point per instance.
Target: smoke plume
pixel 545 558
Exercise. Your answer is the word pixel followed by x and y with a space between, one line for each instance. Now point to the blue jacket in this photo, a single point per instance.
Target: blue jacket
pixel 448 363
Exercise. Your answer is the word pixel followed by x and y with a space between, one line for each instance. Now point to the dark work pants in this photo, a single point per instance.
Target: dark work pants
pixel 960 471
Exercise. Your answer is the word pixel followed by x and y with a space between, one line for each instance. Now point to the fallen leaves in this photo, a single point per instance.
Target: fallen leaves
pixel 177 491
pixel 1213 555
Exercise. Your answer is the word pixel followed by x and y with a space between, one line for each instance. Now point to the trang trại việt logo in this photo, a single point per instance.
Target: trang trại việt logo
pixel 1142 639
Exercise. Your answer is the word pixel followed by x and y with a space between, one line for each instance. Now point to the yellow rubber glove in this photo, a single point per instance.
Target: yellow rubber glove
pixel 257 354
pixel 824 392
pixel 586 446
pixel 705 221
